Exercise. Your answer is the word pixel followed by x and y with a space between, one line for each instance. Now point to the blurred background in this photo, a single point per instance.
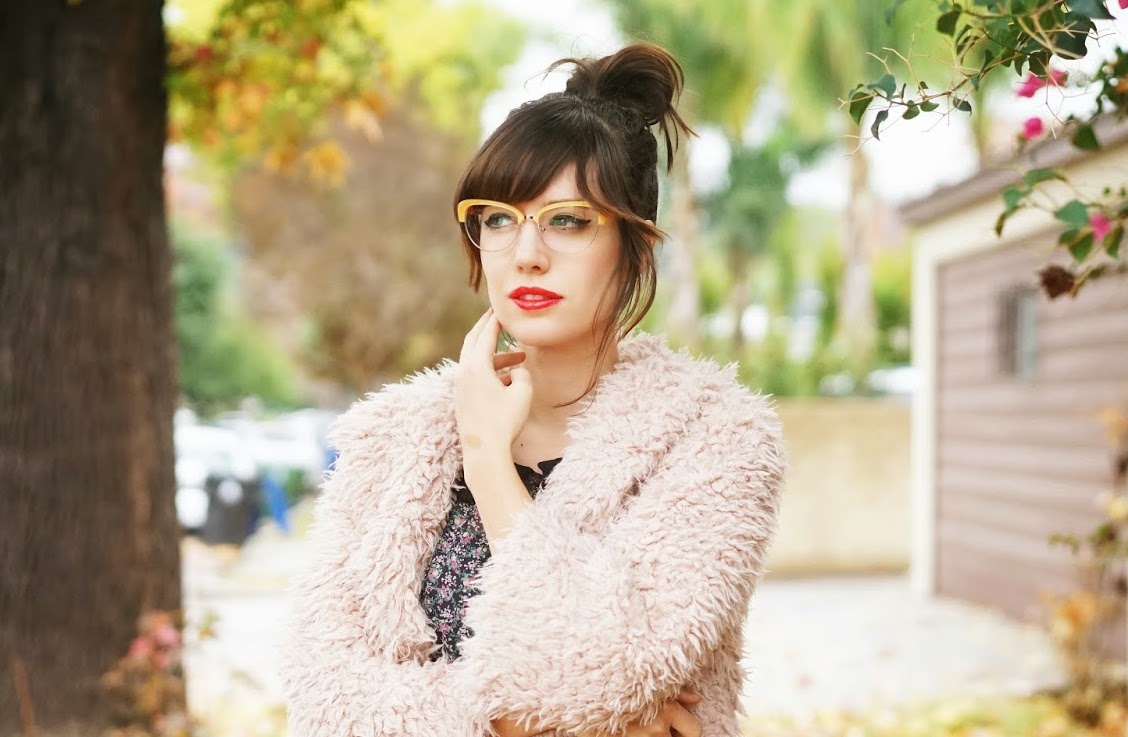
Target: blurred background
pixel 223 223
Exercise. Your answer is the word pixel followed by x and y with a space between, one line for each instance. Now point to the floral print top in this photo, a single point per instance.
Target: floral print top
pixel 459 555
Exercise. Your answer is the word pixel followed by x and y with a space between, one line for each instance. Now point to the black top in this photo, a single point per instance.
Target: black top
pixel 461 551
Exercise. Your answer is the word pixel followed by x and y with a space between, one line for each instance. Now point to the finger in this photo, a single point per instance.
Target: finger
pixel 487 338
pixel 688 696
pixel 481 343
pixel 519 376
pixel 685 723
pixel 505 360
pixel 472 336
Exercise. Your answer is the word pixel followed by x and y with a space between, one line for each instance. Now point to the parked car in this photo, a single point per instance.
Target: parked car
pixel 291 447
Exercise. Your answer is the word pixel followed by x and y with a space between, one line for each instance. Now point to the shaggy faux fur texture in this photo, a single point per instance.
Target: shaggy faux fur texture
pixel 627 579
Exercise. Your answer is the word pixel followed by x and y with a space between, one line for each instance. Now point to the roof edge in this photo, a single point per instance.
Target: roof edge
pixel 990 181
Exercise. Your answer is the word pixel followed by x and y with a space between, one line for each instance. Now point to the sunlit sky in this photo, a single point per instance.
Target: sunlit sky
pixel 912 158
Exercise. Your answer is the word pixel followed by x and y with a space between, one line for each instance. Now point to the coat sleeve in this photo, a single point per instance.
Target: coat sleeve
pixel 338 679
pixel 620 621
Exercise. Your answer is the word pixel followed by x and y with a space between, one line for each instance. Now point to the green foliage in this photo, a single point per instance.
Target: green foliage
pixel 711 40
pixel 892 294
pixel 783 260
pixel 768 368
pixel 260 79
pixel 744 214
pixel 223 355
pixel 826 46
pixel 714 281
pixel 829 276
pixel 451 55
pixel 989 37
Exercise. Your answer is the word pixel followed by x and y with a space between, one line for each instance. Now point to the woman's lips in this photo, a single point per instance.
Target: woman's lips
pixel 530 298
pixel 530 302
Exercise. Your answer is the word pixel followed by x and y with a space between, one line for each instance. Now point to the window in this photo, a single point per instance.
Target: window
pixel 1018 332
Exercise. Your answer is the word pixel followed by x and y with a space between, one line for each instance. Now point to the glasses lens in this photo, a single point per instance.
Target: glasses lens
pixel 490 228
pixel 569 229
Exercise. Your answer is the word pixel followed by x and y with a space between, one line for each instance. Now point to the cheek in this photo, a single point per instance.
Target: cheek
pixel 491 275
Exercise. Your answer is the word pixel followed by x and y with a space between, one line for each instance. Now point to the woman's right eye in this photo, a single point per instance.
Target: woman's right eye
pixel 498 220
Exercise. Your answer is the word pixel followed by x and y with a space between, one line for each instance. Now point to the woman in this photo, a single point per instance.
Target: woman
pixel 462 591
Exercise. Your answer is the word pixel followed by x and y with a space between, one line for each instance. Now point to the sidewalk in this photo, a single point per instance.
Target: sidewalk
pixel 817 644
pixel 859 643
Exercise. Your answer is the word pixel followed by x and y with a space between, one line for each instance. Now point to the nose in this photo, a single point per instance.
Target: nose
pixel 529 252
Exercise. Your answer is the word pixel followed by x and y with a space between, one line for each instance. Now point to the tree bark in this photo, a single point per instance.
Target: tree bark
pixel 88 534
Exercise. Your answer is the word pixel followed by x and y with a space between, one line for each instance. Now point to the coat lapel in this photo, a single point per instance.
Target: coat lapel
pixel 637 412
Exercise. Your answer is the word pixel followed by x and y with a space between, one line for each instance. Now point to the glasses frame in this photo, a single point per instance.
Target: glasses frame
pixel 465 205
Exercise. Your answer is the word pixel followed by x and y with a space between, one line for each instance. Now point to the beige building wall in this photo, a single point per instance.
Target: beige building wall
pixel 846 506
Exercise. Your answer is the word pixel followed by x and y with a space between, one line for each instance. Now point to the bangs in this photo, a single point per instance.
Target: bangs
pixel 527 152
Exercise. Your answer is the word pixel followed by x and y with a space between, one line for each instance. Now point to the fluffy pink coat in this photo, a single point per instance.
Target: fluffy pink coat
pixel 626 580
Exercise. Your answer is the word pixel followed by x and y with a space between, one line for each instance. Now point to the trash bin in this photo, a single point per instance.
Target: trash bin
pixel 233 509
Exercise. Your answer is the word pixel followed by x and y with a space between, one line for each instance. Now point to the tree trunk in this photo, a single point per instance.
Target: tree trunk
pixel 738 298
pixel 856 331
pixel 88 534
pixel 683 317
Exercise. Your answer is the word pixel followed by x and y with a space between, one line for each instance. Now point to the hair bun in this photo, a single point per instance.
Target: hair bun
pixel 642 77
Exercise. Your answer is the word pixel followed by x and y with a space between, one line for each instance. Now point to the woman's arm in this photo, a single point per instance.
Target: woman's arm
pixel 674 715
pixel 619 622
pixel 338 681
pixel 491 467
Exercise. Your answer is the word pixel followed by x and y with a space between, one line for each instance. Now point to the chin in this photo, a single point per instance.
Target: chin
pixel 544 335
pixel 538 330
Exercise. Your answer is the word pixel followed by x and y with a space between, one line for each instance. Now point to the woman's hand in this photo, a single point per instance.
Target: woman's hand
pixel 673 719
pixel 490 409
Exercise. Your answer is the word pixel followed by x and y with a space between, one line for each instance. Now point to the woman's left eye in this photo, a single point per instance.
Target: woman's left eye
pixel 568 222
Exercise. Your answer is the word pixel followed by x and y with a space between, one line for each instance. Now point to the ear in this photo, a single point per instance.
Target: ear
pixel 653 243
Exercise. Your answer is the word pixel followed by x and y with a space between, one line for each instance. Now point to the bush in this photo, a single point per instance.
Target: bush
pixel 223 355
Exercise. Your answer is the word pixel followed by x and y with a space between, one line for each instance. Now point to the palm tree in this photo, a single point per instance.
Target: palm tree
pixel 723 74
pixel 747 211
pixel 825 49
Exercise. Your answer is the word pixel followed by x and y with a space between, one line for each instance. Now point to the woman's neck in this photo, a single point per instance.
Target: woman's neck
pixel 561 374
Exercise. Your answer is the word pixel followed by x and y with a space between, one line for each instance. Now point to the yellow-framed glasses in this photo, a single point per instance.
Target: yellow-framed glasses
pixel 566 227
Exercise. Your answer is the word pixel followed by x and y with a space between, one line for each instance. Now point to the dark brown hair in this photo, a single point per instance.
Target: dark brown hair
pixel 601 122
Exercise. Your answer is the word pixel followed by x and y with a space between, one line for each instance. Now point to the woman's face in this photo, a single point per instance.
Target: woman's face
pixel 581 279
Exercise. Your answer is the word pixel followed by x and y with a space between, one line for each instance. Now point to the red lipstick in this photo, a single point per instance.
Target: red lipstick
pixel 534 298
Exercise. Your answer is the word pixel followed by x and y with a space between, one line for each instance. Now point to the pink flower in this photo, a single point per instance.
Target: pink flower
pixel 166 636
pixel 1099 222
pixel 141 648
pixel 1032 128
pixel 1033 82
pixel 1124 4
pixel 1030 85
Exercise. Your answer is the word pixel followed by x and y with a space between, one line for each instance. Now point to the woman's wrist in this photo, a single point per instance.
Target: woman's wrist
pixel 498 491
pixel 486 459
